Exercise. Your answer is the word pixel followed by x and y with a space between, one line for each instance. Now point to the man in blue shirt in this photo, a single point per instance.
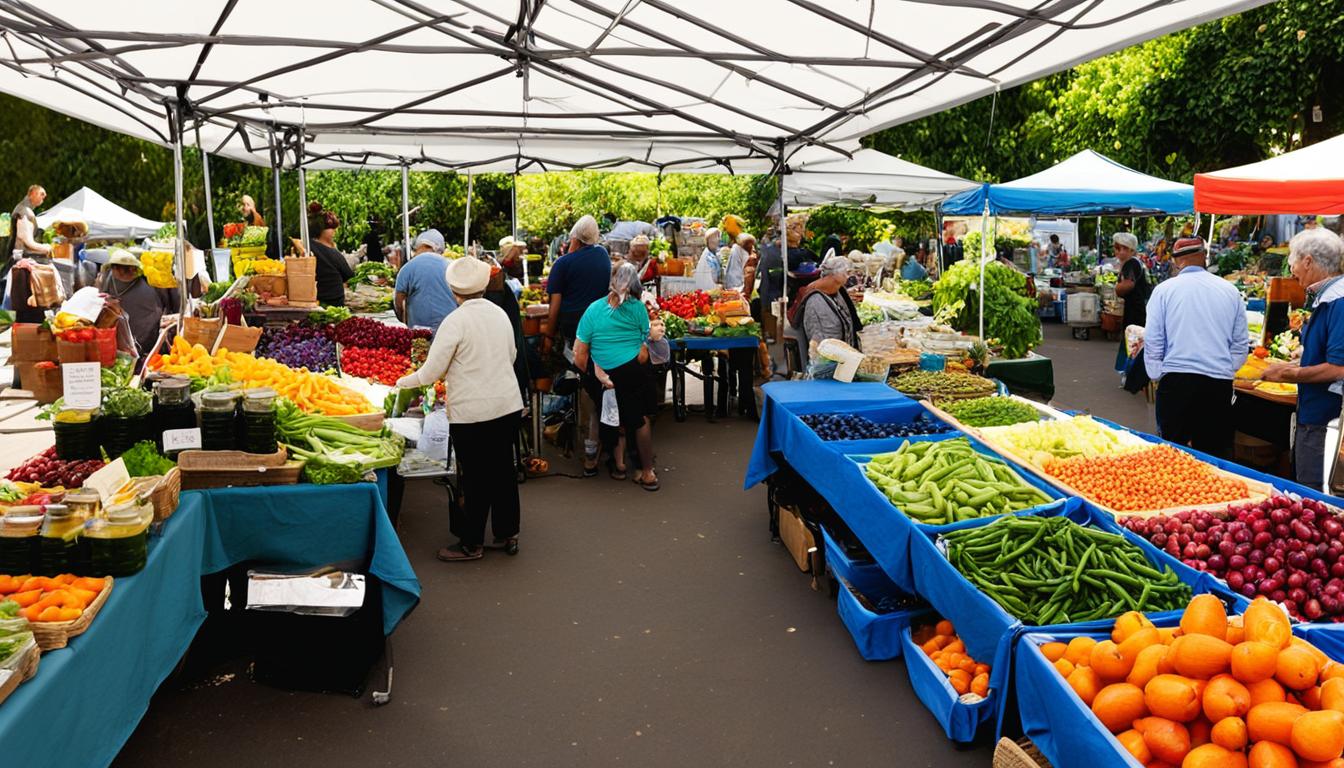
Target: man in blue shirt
pixel 577 279
pixel 1194 341
pixel 422 298
pixel 1316 258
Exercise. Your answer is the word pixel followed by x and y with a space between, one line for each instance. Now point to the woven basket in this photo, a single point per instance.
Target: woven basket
pixel 51 635
pixel 166 494
pixel 24 671
pixel 1018 754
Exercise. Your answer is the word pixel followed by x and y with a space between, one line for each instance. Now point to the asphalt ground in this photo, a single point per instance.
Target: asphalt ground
pixel 634 628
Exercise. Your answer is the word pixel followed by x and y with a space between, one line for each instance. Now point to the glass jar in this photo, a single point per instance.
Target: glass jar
pixel 259 421
pixel 219 421
pixel 86 504
pixel 61 548
pixel 119 544
pixel 173 408
pixel 20 530
pixel 76 435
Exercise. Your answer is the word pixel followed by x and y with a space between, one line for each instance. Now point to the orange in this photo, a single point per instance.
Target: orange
pixel 954 645
pixel 1205 615
pixel 1273 721
pixel 1199 731
pixel 1147 665
pixel 1168 741
pixel 1235 631
pixel 1064 667
pixel 1311 697
pixel 1254 661
pixel 1230 733
pixel 1053 651
pixel 960 681
pixel 1136 642
pixel 1127 624
pixel 1079 650
pixel 1225 697
pixel 1173 697
pixel 1213 756
pixel 1331 670
pixel 1085 683
pixel 1200 656
pixel 943 627
pixel 1266 621
pixel 1332 694
pixel 980 684
pixel 1319 735
pixel 1266 690
pixel 930 647
pixel 1105 658
pixel 981 669
pixel 1296 668
pixel 1321 658
pixel 1168 634
pixel 1133 743
pixel 1119 705
pixel 1267 754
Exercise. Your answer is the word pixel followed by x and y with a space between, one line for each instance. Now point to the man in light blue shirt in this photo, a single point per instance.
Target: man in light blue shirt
pixel 422 298
pixel 1194 341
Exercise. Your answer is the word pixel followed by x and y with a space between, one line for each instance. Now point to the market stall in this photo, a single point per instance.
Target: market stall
pixel 105 219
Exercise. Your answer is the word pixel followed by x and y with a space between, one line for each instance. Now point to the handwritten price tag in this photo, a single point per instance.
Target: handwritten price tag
pixel 181 439
pixel 82 385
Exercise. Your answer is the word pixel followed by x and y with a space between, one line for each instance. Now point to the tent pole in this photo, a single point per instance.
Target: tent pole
pixel 514 231
pixel 466 220
pixel 275 181
pixel 938 236
pixel 1208 244
pixel 405 213
pixel 303 195
pixel 209 210
pixel 783 242
pixel 180 247
pixel 984 250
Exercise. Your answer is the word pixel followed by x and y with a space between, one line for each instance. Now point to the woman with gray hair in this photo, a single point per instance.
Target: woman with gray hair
pixel 1132 286
pixel 1316 258
pixel 824 309
pixel 612 336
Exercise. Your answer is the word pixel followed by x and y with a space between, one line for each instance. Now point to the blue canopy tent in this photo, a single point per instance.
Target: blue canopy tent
pixel 1086 184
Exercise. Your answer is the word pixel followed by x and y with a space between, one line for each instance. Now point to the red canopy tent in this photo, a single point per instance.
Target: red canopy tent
pixel 1309 181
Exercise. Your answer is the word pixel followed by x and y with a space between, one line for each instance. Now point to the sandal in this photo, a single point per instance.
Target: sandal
pixel 509 545
pixel 590 470
pixel 653 486
pixel 460 553
pixel 614 471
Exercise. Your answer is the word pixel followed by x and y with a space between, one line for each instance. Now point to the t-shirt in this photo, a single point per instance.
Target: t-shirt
pixel 332 272
pixel 1136 303
pixel 629 230
pixel 428 297
pixel 1322 342
pixel 614 335
pixel 144 306
pixel 580 277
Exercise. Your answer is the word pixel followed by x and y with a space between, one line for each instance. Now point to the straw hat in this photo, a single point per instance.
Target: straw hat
pixel 467 276
pixel 121 257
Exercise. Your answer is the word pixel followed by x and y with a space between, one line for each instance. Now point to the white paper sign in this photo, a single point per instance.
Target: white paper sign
pixel 83 384
pixel 181 439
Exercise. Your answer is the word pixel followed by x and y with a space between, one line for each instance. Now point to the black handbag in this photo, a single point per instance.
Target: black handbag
pixel 1136 375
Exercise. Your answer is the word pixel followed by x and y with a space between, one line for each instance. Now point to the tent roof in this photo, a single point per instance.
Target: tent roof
pixel 1086 184
pixel 693 78
pixel 1309 180
pixel 870 178
pixel 106 219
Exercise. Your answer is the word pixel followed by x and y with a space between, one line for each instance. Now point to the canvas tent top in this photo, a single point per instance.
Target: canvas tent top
pixel 1086 184
pixel 1309 180
pixel 870 178
pixel 106 219
pixel 642 84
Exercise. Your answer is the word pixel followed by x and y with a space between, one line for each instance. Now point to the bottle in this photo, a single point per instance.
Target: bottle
pixel 219 421
pixel 173 408
pixel 259 420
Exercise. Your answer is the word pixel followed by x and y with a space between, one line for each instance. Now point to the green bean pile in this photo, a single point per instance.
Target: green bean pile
pixel 943 482
pixel 991 411
pixel 1051 570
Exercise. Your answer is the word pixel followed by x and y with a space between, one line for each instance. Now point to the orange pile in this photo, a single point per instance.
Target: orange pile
pixel 1153 478
pixel 941 644
pixel 59 598
pixel 1211 693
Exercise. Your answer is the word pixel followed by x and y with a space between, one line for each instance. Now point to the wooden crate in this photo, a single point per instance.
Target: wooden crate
pixel 223 469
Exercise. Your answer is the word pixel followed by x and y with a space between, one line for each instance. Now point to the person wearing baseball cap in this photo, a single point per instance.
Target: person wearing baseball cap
pixel 422 298
pixel 473 353
pixel 1194 341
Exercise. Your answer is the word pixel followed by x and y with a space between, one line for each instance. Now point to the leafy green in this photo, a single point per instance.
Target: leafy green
pixel 9 609
pixel 368 269
pixel 321 471
pixel 126 402
pixel 1010 316
pixel 329 315
pixel 166 232
pixel 215 292
pixel 734 331
pixel 119 374
pixel 673 327
pixel 143 460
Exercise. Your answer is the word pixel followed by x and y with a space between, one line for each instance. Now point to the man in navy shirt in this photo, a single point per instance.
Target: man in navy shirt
pixel 577 279
pixel 1316 258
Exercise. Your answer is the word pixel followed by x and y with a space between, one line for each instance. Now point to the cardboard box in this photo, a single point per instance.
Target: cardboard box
pixel 47 386
pixel 796 537
pixel 30 343
pixel 74 351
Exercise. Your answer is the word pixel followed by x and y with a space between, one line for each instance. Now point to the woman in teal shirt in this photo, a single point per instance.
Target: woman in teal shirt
pixel 611 336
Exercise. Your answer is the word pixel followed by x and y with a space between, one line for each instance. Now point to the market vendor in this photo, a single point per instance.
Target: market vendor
pixel 473 353
pixel 147 309
pixel 332 268
pixel 638 254
pixel 1316 258
pixel 742 253
pixel 422 298
pixel 512 254
pixel 23 237
pixel 824 309
pixel 1132 286
pixel 1194 341
pixel 247 207
pixel 709 269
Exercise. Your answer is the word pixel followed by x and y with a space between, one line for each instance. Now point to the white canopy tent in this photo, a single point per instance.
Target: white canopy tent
pixel 639 83
pixel 106 219
pixel 869 179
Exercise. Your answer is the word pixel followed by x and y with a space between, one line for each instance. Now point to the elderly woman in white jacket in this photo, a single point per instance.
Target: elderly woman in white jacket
pixel 473 353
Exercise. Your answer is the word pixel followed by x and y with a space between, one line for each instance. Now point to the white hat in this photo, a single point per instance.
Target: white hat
pixel 120 257
pixel 430 237
pixel 467 275
pixel 507 242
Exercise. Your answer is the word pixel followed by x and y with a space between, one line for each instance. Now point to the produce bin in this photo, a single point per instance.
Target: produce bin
pixel 877 635
pixel 960 721
pixel 867 577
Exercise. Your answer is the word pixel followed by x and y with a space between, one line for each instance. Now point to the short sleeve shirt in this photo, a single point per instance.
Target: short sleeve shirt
pixel 428 298
pixel 614 335
pixel 580 277
pixel 1322 342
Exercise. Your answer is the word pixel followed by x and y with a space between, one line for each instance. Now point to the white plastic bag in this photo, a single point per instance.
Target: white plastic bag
pixel 434 435
pixel 611 413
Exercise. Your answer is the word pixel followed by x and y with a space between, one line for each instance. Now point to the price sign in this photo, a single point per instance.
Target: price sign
pixel 181 439
pixel 83 385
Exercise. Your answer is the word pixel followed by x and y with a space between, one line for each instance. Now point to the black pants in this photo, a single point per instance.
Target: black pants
pixel 1196 410
pixel 489 482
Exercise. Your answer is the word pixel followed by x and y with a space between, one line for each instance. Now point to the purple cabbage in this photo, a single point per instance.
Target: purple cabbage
pixel 299 346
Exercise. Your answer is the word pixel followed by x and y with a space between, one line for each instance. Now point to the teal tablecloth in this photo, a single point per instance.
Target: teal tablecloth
pixel 100 686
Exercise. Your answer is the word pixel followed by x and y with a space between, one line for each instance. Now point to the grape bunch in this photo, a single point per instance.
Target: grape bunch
pixel 848 426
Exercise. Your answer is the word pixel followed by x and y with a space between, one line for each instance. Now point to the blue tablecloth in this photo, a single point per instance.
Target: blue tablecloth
pixel 708 343
pixel 101 684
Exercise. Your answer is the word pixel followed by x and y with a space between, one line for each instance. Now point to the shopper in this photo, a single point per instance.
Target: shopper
pixel 247 208
pixel 824 309
pixel 512 253
pixel 499 293
pixel 23 237
pixel 638 254
pixel 742 254
pixel 709 269
pixel 147 308
pixel 373 240
pixel 613 336
pixel 422 298
pixel 1195 339
pixel 332 268
pixel 473 353
pixel 1132 286
pixel 1316 258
